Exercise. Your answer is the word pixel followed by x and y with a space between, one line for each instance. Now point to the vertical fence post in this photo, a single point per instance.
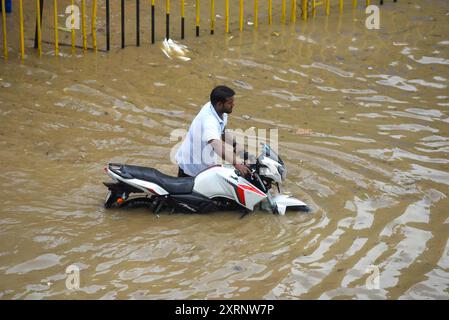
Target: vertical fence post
pixel 354 4
pixel 38 23
pixel 212 16
pixel 313 8
pixel 241 16
pixel 341 6
pixel 41 8
pixel 55 23
pixel 328 7
pixel 256 13
pixel 108 28
pixel 304 9
pixel 182 18
pixel 138 23
pixel 22 40
pixel 270 11
pixel 5 42
pixel 123 22
pixel 197 18
pixel 293 13
pixel 227 16
pixel 368 2
pixel 152 22
pixel 167 19
pixel 284 11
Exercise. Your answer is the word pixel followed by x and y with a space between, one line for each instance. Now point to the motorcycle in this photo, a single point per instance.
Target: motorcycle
pixel 219 187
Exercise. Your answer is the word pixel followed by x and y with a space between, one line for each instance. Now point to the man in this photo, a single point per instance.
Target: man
pixel 204 141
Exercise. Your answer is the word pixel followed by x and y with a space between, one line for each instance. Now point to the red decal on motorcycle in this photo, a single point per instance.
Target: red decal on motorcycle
pixel 251 188
pixel 241 194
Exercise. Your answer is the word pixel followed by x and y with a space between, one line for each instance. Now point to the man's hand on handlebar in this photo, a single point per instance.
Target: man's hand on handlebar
pixel 243 169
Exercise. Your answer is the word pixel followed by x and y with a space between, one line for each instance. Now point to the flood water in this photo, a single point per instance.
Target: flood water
pixel 363 120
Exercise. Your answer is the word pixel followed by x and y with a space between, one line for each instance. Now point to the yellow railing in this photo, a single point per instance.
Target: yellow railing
pixel 302 8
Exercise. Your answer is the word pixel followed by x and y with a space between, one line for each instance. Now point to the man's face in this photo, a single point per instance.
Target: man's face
pixel 228 105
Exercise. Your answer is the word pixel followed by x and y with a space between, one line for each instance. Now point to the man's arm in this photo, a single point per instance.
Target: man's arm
pixel 230 139
pixel 228 155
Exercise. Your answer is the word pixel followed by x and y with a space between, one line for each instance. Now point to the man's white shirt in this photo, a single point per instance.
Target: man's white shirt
pixel 195 154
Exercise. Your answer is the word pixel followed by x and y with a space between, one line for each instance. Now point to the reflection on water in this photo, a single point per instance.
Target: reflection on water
pixel 364 131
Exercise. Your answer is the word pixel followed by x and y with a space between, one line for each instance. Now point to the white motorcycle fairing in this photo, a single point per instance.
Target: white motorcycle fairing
pixel 222 181
pixel 284 202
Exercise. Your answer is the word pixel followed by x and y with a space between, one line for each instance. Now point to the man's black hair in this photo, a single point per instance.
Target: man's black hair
pixel 220 94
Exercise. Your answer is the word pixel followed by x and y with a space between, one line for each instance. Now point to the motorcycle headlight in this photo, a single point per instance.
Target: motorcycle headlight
pixel 263 171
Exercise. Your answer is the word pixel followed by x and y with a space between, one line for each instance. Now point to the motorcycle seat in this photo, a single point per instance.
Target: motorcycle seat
pixel 173 185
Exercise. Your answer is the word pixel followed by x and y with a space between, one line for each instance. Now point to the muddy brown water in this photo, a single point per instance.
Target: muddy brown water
pixel 363 120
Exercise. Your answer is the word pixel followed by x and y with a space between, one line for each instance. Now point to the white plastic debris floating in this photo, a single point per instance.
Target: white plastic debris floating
pixel 172 49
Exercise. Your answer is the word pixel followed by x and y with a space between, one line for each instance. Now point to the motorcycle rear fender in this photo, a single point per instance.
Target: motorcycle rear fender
pixel 119 187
